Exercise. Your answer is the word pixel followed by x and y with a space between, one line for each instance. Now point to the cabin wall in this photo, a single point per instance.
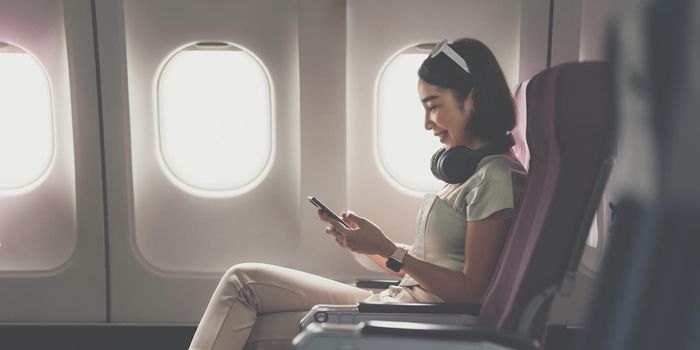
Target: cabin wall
pixel 52 253
pixel 140 250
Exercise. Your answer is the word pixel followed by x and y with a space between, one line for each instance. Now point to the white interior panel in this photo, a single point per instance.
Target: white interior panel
pixel 322 50
pixel 52 253
pixel 566 32
pixel 176 231
pixel 579 29
pixel 595 16
pixel 168 247
pixel 37 227
pixel 377 31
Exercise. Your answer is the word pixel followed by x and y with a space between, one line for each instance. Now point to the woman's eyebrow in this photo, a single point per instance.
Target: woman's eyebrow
pixel 429 98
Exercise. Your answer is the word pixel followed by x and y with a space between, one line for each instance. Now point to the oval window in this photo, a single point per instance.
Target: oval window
pixel 26 119
pixel 214 118
pixel 404 147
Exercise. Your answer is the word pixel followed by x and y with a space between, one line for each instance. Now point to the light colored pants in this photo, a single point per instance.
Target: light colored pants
pixel 275 296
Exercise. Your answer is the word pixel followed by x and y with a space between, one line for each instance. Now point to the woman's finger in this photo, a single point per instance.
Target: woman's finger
pixel 322 216
pixel 346 212
pixel 348 216
pixel 330 230
pixel 339 227
pixel 340 240
pixel 351 216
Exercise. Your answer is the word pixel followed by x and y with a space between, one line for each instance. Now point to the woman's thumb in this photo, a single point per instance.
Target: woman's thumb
pixel 354 217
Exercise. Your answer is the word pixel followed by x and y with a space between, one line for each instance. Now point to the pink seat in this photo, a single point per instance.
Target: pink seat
pixel 569 135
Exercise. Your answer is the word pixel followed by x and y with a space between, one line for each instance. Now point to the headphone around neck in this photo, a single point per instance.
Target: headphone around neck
pixel 459 163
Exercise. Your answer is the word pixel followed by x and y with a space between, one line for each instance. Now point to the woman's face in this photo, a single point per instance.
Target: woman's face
pixel 444 115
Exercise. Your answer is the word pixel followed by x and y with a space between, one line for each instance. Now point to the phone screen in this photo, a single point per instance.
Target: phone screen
pixel 325 209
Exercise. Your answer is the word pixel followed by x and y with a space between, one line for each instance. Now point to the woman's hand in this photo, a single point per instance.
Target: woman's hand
pixel 330 230
pixel 364 236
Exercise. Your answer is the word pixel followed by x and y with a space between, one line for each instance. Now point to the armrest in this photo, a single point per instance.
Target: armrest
pixel 420 308
pixel 459 314
pixel 452 332
pixel 376 284
pixel 562 336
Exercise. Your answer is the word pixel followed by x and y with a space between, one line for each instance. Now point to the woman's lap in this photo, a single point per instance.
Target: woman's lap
pixel 279 289
pixel 250 293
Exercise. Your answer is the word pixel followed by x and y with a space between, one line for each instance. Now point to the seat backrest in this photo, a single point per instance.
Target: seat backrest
pixel 569 134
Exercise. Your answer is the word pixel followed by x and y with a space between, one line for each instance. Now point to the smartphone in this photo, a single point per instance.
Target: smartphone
pixel 328 212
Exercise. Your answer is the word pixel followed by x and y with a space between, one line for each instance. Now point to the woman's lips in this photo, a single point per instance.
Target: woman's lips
pixel 442 135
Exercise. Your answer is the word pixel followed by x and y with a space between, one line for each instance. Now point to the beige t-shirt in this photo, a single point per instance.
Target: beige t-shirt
pixel 442 220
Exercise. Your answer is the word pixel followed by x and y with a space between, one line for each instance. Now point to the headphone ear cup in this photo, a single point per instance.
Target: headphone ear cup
pixel 457 164
pixel 434 168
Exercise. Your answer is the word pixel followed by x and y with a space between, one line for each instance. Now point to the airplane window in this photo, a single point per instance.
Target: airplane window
pixel 214 119
pixel 26 119
pixel 592 239
pixel 593 254
pixel 404 147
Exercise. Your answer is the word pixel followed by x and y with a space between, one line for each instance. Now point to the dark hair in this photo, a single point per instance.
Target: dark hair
pixel 494 110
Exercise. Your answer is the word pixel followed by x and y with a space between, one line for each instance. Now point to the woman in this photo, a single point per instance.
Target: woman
pixel 461 232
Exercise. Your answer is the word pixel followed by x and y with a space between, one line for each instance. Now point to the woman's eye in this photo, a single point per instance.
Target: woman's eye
pixel 433 108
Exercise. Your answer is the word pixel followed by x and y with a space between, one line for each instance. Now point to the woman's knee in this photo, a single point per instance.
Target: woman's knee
pixel 245 273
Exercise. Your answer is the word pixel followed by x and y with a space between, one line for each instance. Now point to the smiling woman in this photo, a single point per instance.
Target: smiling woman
pixel 483 92
pixel 461 229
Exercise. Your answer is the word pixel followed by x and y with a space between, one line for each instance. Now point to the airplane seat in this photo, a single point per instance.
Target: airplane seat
pixel 570 132
pixel 570 135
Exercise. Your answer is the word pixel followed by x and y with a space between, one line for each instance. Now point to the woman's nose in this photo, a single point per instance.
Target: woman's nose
pixel 428 124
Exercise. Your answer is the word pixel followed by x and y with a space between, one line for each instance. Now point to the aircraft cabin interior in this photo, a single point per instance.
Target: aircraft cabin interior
pixel 349 174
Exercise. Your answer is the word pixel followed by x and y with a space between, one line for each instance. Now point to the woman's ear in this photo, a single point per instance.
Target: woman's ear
pixel 468 104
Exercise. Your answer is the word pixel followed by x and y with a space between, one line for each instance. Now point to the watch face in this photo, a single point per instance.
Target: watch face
pixel 393 264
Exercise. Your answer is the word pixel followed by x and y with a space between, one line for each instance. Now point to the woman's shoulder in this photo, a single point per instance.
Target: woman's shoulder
pixel 497 180
pixel 500 164
pixel 496 169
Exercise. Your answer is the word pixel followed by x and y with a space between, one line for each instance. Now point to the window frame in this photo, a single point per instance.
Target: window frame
pixel 422 48
pixel 30 185
pixel 166 168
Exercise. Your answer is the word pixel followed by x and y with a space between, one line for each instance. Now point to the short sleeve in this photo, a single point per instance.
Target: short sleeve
pixel 494 193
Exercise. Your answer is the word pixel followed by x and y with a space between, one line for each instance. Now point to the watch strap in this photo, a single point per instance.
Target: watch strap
pixel 395 261
pixel 399 254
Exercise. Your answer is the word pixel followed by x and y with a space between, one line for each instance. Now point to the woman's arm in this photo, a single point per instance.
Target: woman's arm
pixel 482 250
pixel 341 240
pixel 381 261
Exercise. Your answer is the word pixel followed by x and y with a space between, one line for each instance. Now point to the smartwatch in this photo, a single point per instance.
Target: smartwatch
pixel 395 261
